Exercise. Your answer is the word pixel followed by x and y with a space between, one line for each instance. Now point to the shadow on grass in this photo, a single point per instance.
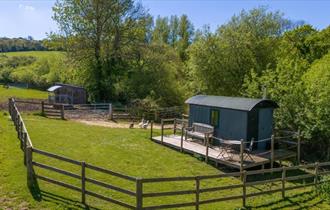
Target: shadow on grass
pixel 291 173
pixel 63 201
pixel 34 188
pixel 292 202
pixel 41 195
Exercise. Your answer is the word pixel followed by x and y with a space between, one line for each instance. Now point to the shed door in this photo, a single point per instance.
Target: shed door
pixel 265 127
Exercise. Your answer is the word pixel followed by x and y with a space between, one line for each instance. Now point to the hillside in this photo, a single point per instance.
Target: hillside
pixel 21 93
pixel 38 68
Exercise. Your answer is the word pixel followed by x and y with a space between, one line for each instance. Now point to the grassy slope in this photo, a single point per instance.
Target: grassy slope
pixel 13 191
pixel 21 93
pixel 130 152
pixel 106 147
pixel 49 67
pixel 55 60
pixel 122 150
pixel 38 54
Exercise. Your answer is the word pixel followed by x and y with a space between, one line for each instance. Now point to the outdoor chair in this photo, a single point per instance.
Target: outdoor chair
pixel 226 150
pixel 248 150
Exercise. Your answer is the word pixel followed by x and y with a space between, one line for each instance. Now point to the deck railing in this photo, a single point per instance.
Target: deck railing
pixel 140 194
pixel 286 139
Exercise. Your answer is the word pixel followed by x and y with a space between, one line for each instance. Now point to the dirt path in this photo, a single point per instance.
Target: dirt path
pixel 111 124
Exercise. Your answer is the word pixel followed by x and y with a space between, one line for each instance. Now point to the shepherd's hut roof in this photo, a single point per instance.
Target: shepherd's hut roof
pixel 236 103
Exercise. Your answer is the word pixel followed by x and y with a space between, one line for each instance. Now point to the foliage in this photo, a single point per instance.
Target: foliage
pixel 117 49
pixel 299 83
pixel 220 61
pixel 40 69
pixel 317 82
pixel 155 76
pixel 20 44
pixel 102 36
pixel 324 188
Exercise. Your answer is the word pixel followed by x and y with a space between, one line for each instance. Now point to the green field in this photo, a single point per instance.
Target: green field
pixel 122 150
pixel 40 68
pixel 38 54
pixel 21 93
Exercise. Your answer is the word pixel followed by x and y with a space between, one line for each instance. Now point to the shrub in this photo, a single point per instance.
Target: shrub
pixel 324 188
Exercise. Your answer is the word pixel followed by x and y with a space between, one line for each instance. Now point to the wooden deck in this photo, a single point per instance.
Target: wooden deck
pixel 174 141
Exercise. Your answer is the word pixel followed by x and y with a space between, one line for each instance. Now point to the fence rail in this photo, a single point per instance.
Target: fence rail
pixel 140 183
pixel 291 140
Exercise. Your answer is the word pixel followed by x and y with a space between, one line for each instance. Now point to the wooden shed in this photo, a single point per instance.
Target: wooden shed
pixel 67 94
pixel 234 117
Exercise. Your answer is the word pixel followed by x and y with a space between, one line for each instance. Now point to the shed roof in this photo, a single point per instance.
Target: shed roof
pixel 69 85
pixel 53 88
pixel 237 103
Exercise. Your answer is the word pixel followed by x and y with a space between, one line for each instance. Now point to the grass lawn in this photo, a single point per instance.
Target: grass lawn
pixel 21 93
pixel 126 151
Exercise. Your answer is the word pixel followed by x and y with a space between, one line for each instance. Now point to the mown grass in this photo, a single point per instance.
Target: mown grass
pixel 21 93
pixel 14 193
pixel 132 153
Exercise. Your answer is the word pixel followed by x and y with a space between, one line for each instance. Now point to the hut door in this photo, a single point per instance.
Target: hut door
pixel 265 127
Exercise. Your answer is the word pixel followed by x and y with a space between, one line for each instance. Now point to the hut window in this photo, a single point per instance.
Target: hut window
pixel 215 118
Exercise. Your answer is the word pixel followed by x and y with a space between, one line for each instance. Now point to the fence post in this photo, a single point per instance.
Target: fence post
pixel 197 192
pixel 83 182
pixel 156 116
pixel 16 122
pixel 24 146
pixel 110 112
pixel 181 143
pixel 19 127
pixel 29 166
pixel 174 127
pixel 151 129
pixel 139 194
pixel 9 106
pixel 283 181
pixel 316 173
pixel 207 147
pixel 298 147
pixel 62 112
pixel 241 156
pixel 42 108
pixel 244 188
pixel 162 131
pixel 272 152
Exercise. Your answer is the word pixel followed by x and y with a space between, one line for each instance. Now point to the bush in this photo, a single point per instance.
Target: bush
pixel 324 188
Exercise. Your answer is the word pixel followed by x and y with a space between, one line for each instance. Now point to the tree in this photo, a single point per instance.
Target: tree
pixel 174 30
pixel 299 83
pixel 186 33
pixel 248 41
pixel 161 32
pixel 155 76
pixel 99 36
pixel 317 82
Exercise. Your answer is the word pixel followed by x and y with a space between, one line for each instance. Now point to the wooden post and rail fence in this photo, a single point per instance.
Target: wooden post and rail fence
pixel 141 183
pixel 47 109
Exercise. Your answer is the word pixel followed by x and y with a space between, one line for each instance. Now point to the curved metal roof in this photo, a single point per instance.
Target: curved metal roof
pixel 53 88
pixel 237 103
